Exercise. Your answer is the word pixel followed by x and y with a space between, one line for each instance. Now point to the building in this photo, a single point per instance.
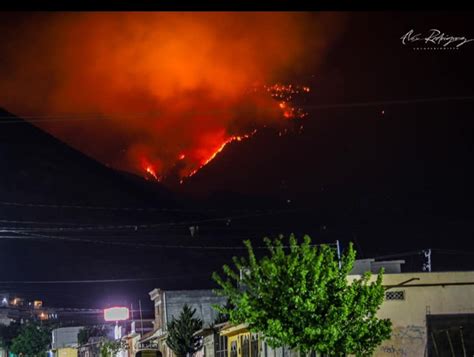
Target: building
pixel 214 342
pixel 135 347
pixel 15 308
pixel 432 314
pixel 168 305
pixel 243 343
pixel 91 348
pixel 64 342
pixel 371 265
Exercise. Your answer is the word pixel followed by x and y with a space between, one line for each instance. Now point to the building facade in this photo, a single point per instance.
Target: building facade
pixel 64 341
pixel 168 305
pixel 432 314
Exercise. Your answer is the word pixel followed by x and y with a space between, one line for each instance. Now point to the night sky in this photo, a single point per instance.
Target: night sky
pixel 384 160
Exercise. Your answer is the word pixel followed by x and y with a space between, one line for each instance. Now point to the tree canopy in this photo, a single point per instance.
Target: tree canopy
pixel 181 331
pixel 8 333
pixel 32 340
pixel 300 296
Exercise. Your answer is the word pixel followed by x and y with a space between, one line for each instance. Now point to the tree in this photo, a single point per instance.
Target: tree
pixel 8 333
pixel 32 340
pixel 299 296
pixel 180 333
pixel 90 331
pixel 222 315
pixel 108 348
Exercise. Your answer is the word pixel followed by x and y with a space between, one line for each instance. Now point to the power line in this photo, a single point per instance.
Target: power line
pixel 97 281
pixel 41 222
pixel 31 236
pixel 398 255
pixel 109 208
pixel 390 102
pixel 95 116
pixel 144 226
pixel 455 252
pixel 17 117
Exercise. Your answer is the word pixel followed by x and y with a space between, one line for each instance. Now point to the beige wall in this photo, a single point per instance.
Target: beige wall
pixel 409 335
pixel 67 352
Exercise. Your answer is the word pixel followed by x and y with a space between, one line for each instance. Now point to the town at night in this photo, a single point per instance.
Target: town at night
pixel 236 184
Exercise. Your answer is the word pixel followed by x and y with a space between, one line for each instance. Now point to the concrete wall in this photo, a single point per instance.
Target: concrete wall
pixel 201 300
pixel 370 265
pixel 431 293
pixel 65 337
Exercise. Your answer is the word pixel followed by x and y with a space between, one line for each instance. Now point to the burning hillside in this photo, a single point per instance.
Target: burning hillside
pixel 154 93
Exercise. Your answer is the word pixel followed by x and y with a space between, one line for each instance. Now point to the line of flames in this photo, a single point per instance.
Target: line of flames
pixel 223 145
pixel 282 93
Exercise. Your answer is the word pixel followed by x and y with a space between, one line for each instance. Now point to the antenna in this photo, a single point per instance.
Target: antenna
pixel 427 263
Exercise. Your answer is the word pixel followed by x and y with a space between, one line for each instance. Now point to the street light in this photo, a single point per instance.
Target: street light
pixel 117 314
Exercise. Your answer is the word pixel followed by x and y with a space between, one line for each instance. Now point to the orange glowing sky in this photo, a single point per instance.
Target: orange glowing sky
pixel 155 89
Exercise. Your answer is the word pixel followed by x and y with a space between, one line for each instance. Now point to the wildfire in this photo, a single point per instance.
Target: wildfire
pixel 164 103
pixel 220 148
pixel 283 94
pixel 151 171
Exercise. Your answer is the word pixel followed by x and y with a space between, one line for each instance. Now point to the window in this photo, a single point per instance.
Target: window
pixel 395 295
pixel 221 345
pixel 245 346
pixel 254 346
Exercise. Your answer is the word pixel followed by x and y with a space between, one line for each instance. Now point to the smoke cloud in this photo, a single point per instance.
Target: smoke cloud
pixel 142 91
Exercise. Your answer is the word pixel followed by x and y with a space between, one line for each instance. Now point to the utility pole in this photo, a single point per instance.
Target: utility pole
pixel 427 263
pixel 338 253
pixel 141 316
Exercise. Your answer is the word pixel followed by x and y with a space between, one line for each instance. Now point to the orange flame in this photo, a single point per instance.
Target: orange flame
pixel 163 88
pixel 219 149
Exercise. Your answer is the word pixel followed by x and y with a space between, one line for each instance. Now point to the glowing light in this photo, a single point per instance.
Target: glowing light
pixel 37 304
pixel 181 156
pixel 151 171
pixel 116 314
pixel 285 95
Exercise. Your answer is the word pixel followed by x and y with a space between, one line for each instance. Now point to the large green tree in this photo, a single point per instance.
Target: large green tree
pixel 300 296
pixel 32 340
pixel 180 333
